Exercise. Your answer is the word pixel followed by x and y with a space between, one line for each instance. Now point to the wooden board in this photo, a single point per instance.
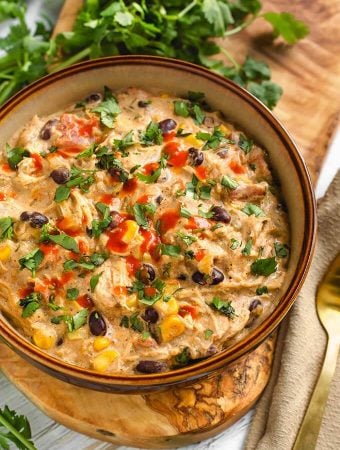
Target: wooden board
pixel 310 76
pixel 162 420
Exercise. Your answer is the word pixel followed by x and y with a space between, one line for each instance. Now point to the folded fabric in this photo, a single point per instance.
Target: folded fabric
pixel 300 352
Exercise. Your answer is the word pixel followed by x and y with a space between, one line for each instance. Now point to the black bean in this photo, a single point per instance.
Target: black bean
pixel 60 341
pixel 159 199
pixel 182 277
pixel 196 157
pixel 150 315
pixel 37 220
pixel 146 273
pixel 60 175
pixel 211 350
pixel 115 220
pixel 45 132
pixel 167 125
pixel 256 302
pixel 25 216
pixel 95 97
pixel 143 103
pixel 148 366
pixel 220 214
pixel 223 153
pixel 199 278
pixel 97 324
pixel 216 277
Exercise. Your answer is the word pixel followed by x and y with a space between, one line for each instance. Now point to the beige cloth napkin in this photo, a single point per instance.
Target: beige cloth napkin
pixel 299 353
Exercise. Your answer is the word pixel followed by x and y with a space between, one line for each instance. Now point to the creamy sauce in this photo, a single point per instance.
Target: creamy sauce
pixel 139 232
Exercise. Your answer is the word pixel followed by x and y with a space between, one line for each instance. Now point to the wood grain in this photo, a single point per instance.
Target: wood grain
pixel 162 420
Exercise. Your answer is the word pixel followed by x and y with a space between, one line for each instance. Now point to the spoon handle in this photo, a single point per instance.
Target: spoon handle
pixel 310 427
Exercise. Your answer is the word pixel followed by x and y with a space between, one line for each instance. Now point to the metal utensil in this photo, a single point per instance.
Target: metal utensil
pixel 328 308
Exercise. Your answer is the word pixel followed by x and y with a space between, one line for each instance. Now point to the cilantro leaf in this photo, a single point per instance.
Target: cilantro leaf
pixel 94 281
pixel 141 211
pixel 6 228
pixel 16 429
pixel 15 155
pixel 234 244
pixel 252 210
pixel 122 144
pixel 186 238
pixel 287 26
pixel 72 293
pixel 30 304
pixel 32 260
pixel 218 14
pixel 185 213
pixel 170 250
pixel 229 182
pixel 262 290
pixel 212 140
pixel 98 226
pixel 73 323
pixel 223 307
pixel 247 248
pixel 152 135
pixel 62 193
pixel 108 109
pixel 86 262
pixel 281 250
pixel 264 266
pixel 245 144
pixel 65 241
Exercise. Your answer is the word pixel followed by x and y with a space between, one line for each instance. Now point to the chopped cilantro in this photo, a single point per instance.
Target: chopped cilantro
pixel 152 135
pixel 6 228
pixel 245 144
pixel 252 210
pixel 281 250
pixel 234 244
pixel 261 290
pixel 223 307
pixel 122 144
pixel 15 155
pixel 86 262
pixel 32 261
pixel 73 323
pixel 229 183
pixel 207 334
pixel 94 281
pixel 170 250
pixel 108 108
pixel 141 212
pixel 98 226
pixel 30 304
pixel 211 140
pixel 247 248
pixel 264 266
pixel 185 213
pixel 72 293
pixel 186 238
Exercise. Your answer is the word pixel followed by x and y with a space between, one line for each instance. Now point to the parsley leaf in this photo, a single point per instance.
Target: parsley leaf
pixel 15 155
pixel 30 304
pixel 6 228
pixel 223 307
pixel 15 428
pixel 32 260
pixel 264 266
pixel 152 135
pixel 252 210
pixel 108 108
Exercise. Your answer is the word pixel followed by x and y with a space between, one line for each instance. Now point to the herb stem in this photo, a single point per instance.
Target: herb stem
pixel 231 58
pixel 241 27
pixel 186 9
pixel 16 433
pixel 72 60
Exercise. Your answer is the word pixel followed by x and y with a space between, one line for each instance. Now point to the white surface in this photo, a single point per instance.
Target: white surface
pixel 49 435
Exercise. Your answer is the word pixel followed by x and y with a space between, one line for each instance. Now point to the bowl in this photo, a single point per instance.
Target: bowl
pixel 55 91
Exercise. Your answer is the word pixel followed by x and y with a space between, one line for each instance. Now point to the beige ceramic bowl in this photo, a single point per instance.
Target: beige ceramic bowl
pixel 58 90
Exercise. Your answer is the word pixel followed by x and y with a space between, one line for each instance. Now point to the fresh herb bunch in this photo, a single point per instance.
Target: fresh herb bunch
pixel 15 429
pixel 163 28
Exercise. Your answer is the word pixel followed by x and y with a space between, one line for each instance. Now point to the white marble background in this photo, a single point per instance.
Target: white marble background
pixel 47 434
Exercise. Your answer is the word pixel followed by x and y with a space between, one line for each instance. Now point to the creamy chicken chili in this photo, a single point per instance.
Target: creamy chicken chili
pixel 139 232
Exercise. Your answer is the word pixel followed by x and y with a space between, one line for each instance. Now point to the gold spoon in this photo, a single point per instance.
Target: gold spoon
pixel 328 308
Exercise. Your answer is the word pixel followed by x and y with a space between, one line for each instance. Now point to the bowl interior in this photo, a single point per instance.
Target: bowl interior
pixel 53 94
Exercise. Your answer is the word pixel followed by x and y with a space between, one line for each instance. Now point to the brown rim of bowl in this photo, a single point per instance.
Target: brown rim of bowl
pixel 229 355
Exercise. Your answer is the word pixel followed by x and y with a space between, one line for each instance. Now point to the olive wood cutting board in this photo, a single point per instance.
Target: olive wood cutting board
pixel 310 75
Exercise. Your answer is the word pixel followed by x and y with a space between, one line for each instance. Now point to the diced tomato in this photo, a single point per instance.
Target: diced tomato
pixel 2 197
pixel 130 185
pixel 187 309
pixel 149 291
pixel 143 199
pixel 106 198
pixel 150 243
pixel 37 160
pixel 49 249
pixel 132 265
pixel 236 167
pixel 196 222
pixel 169 136
pixel 85 301
pixel 199 254
pixel 177 158
pixel 83 247
pixel 119 290
pixel 69 226
pixel 201 173
pixel 27 290
pixel 115 243
pixel 150 168
pixel 168 220
pixel 77 133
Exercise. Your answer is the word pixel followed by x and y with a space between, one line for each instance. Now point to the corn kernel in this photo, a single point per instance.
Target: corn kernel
pixel 225 130
pixel 193 141
pixel 206 264
pixel 131 302
pixel 171 327
pixel 104 360
pixel 167 308
pixel 131 231
pixel 100 343
pixel 44 339
pixel 5 253
pixel 171 286
pixel 79 334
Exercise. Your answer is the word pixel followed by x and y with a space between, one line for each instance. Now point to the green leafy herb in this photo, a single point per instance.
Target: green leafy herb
pixel 223 307
pixel 108 109
pixel 15 429
pixel 216 226
pixel 262 290
pixel 287 26
pixel 245 144
pixel 87 153
pixel 264 266
pixel 197 189
pixel 141 212
pixel 122 144
pixel 73 323
pixel 185 213
pixel 186 238
pixel 152 135
pixel 6 228
pixel 30 304
pixel 149 179
pixel 234 244
pixel 62 193
pixel 281 250
pixel 181 133
pixel 94 281
pixel 170 250
pixel 15 155
pixel 72 293
pixel 181 108
pixel 189 254
pixel 134 322
pixel 98 226
pixel 207 334
pixel 212 140
pixel 65 241
pixel 184 357
pixel 86 262
pixel 32 261
pixel 229 183
pixel 252 210
pixel 207 215
pixel 80 178
pixel 247 248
